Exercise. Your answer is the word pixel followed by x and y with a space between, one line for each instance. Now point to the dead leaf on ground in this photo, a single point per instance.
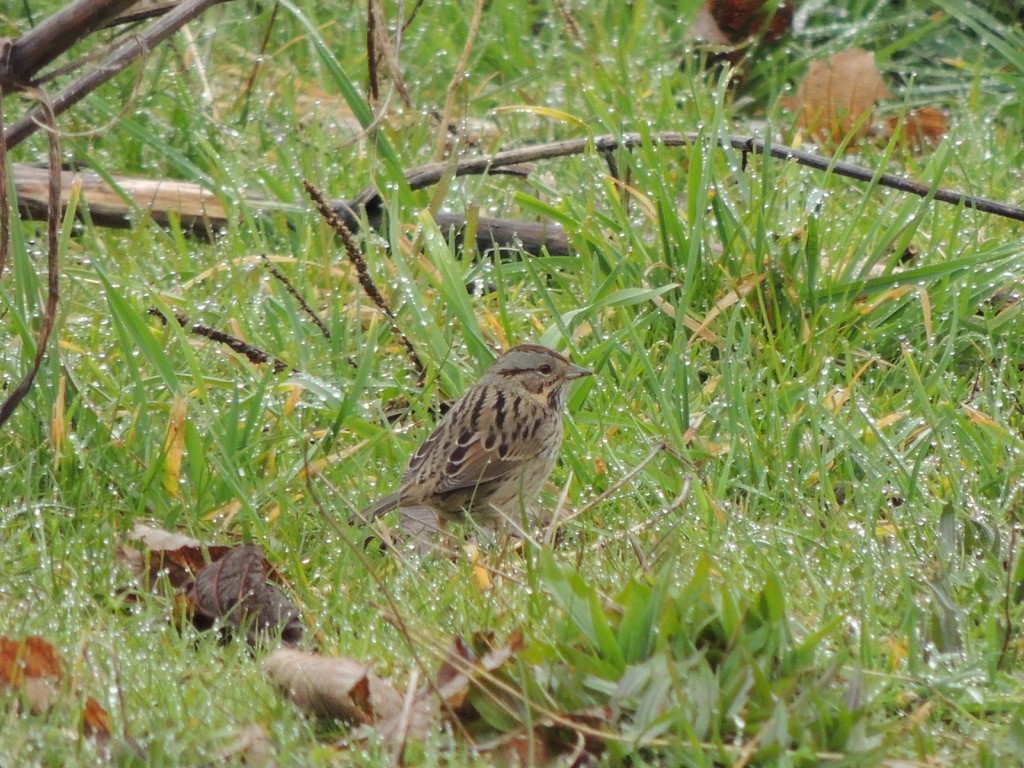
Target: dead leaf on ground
pixel 732 23
pixel 922 128
pixel 461 668
pixel 836 94
pixel 706 30
pixel 332 686
pixel 30 667
pixel 234 591
pixel 158 539
pixel 742 19
pixel 575 740
pixel 173 555
pixel 252 747
pixel 214 583
pixel 95 725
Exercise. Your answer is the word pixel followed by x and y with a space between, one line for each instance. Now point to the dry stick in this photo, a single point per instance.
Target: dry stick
pixel 39 46
pixel 658 448
pixel 412 15
pixel 252 353
pixel 653 520
pixel 261 56
pixel 379 48
pixel 453 84
pixel 405 718
pixel 143 14
pixel 372 56
pixel 52 265
pixel 132 48
pixel 428 175
pixel 1008 598
pixel 355 255
pixel 5 212
pixel 295 295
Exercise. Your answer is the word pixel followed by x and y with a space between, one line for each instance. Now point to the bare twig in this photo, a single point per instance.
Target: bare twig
pixel 614 488
pixel 456 81
pixel 143 14
pixel 39 46
pixel 374 12
pixel 5 211
pixel 128 51
pixel 1008 597
pixel 379 49
pixel 261 56
pixel 355 255
pixel 428 175
pixel 407 22
pixel 52 265
pixel 405 718
pixel 630 533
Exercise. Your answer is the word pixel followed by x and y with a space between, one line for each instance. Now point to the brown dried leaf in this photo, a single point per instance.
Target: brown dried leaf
pixel 178 557
pixel 740 19
pixel 332 686
pixel 575 739
pixel 414 723
pixel 706 29
pixel 252 747
pixel 922 127
pixel 523 748
pixel 837 93
pixel 235 591
pixel 454 674
pixel 96 724
pixel 158 539
pixel 31 666
pixel 461 669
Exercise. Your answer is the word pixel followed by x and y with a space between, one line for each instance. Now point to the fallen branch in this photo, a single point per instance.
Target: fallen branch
pixel 201 212
pixel 32 51
pixel 120 58
pixel 428 175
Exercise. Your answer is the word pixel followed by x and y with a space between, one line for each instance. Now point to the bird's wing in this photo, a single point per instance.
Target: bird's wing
pixel 482 455
pixel 484 459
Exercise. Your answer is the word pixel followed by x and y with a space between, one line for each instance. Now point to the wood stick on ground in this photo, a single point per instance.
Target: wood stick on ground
pixel 202 212
pixel 428 175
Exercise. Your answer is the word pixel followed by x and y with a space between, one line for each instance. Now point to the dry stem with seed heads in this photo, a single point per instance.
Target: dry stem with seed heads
pixel 355 254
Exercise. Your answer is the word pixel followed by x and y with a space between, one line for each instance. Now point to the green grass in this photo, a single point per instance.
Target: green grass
pixel 834 587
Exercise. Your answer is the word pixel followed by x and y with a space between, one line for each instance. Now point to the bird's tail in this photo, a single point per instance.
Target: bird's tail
pixel 375 510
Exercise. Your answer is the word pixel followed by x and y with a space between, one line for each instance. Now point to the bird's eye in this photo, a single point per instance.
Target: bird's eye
pixel 545 369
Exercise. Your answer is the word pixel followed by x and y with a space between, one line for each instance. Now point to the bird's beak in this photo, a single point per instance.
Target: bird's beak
pixel 576 372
